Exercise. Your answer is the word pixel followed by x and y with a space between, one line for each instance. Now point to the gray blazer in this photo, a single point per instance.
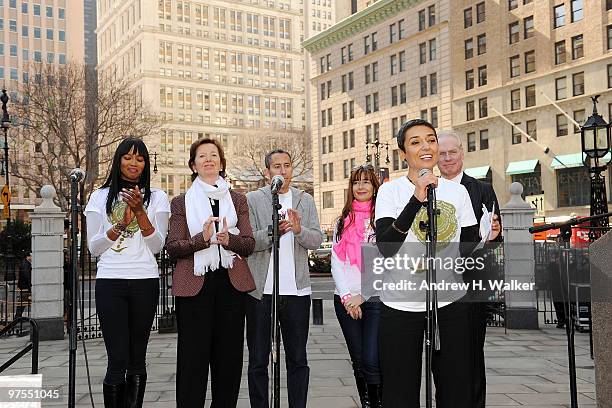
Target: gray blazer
pixel 311 236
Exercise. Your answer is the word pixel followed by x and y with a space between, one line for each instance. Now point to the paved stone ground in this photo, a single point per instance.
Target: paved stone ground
pixel 524 368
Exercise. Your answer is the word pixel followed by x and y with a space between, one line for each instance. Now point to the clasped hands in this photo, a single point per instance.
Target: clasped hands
pixel 293 223
pixel 222 237
pixel 353 306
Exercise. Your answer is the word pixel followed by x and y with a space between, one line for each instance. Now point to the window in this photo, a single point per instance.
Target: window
pixel 532 130
pixel 434 116
pixel 328 199
pixel 469 79
pixel 422 53
pixel 512 4
pixel 513 32
pixel 577 47
pixel 579 117
pixel 13 50
pixel 431 14
pixel 467 18
pixel 480 12
pixel 561 125
pixel 13 26
pixel 560 88
pixel 423 86
pixel 530 96
pixel 49 34
pixel 471 142
pixel 560 53
pixel 609 75
pixel 25 31
pixel 578 83
pixel 482 44
pixel 392 33
pixel 482 75
pixel 393 64
pixel 469 48
pixel 610 36
pixel 432 49
pixel 402 61
pixel 515 99
pixel 394 96
pixel 421 20
pixel 528 28
pixel 515 66
pixel 516 134
pixel 483 111
pixel 530 61
pixel 573 187
pixel 608 4
pixel 49 11
pixel 424 114
pixel 577 10
pixel 330 146
pixel 401 29
pixel 324 146
pixel 37 9
pixel 469 110
pixel 484 139
pixel 433 83
pixel 24 8
pixel 374 41
pixel 559 12
pixel 345 168
pixel 403 94
pixel 13 3
pixel 61 13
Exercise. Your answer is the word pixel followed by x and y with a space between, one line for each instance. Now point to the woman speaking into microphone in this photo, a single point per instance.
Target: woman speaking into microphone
pixel 400 210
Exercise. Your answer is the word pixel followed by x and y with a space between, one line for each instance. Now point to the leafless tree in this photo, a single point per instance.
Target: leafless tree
pixel 68 118
pixel 248 166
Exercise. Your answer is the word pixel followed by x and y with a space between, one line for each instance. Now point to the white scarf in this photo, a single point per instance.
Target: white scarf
pixel 197 211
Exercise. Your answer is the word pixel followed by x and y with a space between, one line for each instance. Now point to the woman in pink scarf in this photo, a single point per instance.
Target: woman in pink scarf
pixel 358 318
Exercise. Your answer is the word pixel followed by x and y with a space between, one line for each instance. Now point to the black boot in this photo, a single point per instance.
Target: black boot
pixel 114 395
pixel 362 388
pixel 135 384
pixel 375 393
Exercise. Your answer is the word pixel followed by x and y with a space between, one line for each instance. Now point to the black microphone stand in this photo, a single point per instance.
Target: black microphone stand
pixel 565 229
pixel 432 335
pixel 74 282
pixel 275 300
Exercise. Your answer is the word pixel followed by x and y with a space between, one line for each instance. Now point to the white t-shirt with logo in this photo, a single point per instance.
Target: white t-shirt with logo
pixel 130 256
pixel 286 268
pixel 456 212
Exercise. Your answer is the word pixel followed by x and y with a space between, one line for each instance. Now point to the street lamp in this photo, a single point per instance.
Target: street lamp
pixel 377 146
pixel 155 163
pixel 6 124
pixel 595 139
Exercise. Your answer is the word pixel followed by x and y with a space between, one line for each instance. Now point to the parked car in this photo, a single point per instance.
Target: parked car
pixel 319 259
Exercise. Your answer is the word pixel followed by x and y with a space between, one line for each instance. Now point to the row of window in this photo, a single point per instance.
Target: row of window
pixel 37 56
pixel 576 9
pixel 36 9
pixel 250 22
pixel 577 49
pixel 36 31
pixel 204 100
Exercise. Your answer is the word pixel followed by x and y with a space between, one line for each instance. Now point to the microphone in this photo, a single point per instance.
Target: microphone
pixel 277 182
pixel 423 172
pixel 77 175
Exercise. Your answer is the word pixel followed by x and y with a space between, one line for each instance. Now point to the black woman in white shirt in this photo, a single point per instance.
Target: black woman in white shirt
pixel 127 222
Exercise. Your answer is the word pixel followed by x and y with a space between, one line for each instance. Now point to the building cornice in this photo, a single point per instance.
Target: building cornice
pixel 378 12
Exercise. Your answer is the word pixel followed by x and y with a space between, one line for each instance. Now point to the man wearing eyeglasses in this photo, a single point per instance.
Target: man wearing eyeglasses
pixel 450 163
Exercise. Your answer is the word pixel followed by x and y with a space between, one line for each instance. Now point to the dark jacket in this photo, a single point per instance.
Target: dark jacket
pixel 25 275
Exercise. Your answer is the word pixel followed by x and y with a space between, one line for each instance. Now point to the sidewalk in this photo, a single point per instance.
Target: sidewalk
pixel 524 368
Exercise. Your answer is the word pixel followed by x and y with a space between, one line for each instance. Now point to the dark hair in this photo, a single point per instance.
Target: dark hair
pixel 401 133
pixel 268 158
pixel 113 182
pixel 347 211
pixel 192 155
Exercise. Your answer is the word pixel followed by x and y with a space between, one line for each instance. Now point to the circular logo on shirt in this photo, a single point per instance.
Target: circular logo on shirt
pixel 447 223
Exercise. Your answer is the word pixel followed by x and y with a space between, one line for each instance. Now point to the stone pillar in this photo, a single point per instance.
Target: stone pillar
pixel 600 256
pixel 48 266
pixel 519 261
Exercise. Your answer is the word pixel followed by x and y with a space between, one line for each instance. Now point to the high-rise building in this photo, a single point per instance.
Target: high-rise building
pixel 50 32
pixel 491 71
pixel 222 69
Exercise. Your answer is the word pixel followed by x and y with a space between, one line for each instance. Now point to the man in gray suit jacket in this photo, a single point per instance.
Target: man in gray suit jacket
pixel 300 231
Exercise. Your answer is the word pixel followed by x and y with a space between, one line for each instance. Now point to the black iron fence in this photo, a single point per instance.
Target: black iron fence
pixel 553 263
pixel 15 302
pixel 88 326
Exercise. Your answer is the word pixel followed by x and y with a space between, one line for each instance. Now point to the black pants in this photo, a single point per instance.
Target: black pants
pixel 401 356
pixel 361 337
pixel 210 333
pixel 294 314
pixel 479 322
pixel 126 308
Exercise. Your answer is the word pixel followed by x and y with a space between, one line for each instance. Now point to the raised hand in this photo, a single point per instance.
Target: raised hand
pixel 495 228
pixel 133 198
pixel 209 228
pixel 294 221
pixel 222 237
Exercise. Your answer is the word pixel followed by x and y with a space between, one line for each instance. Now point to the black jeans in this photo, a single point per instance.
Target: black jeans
pixel 401 356
pixel 126 308
pixel 293 313
pixel 361 339
pixel 210 333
